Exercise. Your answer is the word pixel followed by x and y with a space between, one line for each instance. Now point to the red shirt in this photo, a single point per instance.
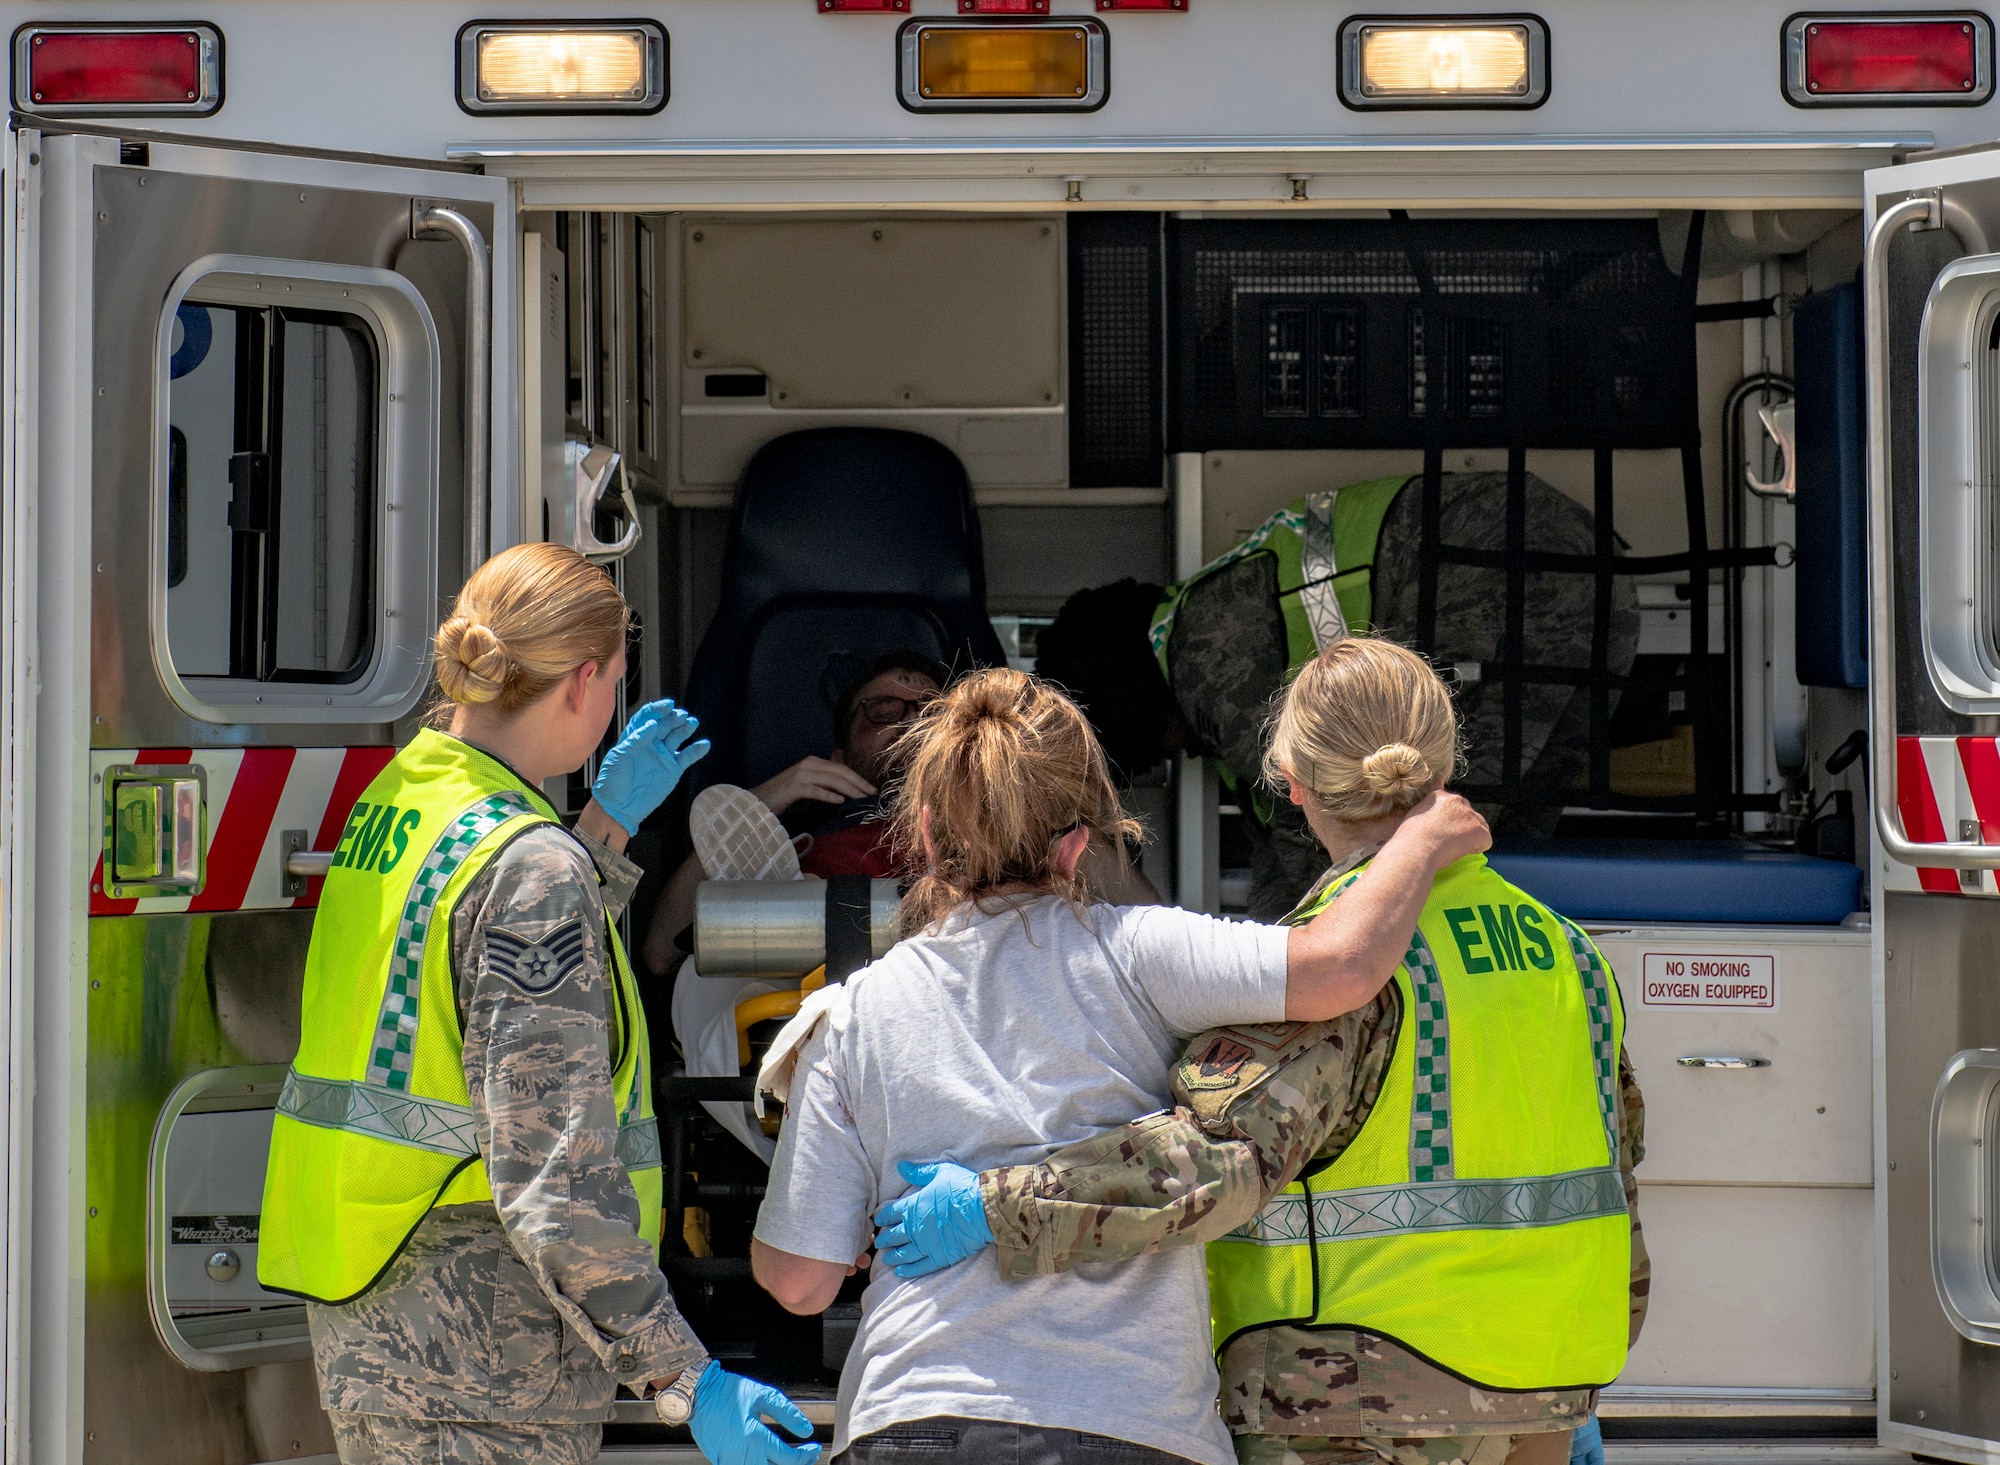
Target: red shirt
pixel 859 849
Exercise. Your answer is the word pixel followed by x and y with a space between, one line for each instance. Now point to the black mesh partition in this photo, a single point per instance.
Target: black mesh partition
pixel 1115 351
pixel 1360 333
pixel 1444 335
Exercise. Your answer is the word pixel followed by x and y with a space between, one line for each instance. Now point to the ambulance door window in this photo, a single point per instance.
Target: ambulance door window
pixel 271 497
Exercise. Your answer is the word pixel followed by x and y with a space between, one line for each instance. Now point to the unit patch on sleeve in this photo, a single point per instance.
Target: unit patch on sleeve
pixel 535 967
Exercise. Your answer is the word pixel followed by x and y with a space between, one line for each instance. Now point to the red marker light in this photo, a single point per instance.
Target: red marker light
pixel 87 70
pixel 1849 60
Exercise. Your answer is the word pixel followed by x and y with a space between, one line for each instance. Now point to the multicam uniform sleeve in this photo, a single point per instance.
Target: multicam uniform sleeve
pixel 534 978
pixel 1631 1150
pixel 1255 1104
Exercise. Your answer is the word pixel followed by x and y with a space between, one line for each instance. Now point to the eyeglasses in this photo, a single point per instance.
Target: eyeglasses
pixel 889 711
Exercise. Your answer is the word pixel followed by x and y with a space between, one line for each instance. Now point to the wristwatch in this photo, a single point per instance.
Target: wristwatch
pixel 675 1403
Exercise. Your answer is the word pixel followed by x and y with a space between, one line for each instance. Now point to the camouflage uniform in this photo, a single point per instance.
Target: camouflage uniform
pixel 1228 657
pixel 1255 1104
pixel 378 1439
pixel 531 1309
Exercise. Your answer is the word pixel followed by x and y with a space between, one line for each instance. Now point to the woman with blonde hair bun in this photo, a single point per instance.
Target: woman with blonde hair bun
pixel 464 1177
pixel 1363 733
pixel 1420 1238
pixel 1019 1016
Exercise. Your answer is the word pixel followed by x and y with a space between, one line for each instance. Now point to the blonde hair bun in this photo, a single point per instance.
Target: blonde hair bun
pixel 1396 771
pixel 472 661
pixel 523 621
pixel 1367 728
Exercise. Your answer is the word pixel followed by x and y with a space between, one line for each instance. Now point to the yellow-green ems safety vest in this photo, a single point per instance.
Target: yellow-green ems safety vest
pixel 374 1126
pixel 1478 1218
pixel 1325 547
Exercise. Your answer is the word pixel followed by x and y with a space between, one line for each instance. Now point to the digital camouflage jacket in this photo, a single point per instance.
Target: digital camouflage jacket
pixel 532 1307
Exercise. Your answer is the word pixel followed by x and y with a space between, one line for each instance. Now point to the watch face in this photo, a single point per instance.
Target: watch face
pixel 674 1407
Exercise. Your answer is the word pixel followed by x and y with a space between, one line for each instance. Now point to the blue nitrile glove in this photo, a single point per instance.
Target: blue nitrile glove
pixel 1586 1446
pixel 726 1426
pixel 637 775
pixel 936 1226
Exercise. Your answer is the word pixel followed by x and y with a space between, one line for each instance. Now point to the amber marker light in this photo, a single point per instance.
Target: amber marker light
pixel 1444 61
pixel 1003 66
pixel 574 66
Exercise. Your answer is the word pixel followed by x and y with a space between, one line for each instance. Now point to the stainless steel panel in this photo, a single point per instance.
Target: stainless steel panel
pixel 1940 997
pixel 169 996
pixel 151 223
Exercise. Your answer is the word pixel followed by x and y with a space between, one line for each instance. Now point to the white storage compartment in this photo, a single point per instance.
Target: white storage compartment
pixel 1756 1191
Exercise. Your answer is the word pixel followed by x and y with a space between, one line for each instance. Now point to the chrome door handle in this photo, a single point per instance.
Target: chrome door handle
pixel 1923 212
pixel 1701 1060
pixel 298 862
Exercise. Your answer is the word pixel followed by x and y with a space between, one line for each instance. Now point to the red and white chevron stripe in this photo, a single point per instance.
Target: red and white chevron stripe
pixel 254 794
pixel 1947 789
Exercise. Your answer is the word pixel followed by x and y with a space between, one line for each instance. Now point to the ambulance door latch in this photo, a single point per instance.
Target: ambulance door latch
pixel 1718 1060
pixel 155 830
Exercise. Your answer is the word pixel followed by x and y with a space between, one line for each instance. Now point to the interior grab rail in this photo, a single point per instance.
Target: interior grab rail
pixel 433 221
pixel 1924 211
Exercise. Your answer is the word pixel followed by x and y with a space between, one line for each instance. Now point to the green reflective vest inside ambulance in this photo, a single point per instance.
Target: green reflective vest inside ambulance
pixel 1324 545
pixel 1478 1217
pixel 375 1125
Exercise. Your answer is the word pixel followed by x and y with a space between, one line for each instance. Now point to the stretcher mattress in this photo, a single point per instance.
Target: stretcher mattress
pixel 1718 882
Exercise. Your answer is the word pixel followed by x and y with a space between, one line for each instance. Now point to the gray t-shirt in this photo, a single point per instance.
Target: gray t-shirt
pixel 992 1040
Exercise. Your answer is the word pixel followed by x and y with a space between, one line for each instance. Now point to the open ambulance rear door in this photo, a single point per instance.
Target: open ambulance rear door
pixel 1932 324
pixel 256 436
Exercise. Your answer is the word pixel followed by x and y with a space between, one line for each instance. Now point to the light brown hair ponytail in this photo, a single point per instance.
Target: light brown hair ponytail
pixel 1005 766
pixel 526 619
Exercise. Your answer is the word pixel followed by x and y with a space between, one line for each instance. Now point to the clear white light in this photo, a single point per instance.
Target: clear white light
pixel 569 66
pixel 1428 61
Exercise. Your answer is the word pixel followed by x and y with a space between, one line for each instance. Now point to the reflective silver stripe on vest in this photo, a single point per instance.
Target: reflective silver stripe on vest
pixel 1317 568
pixel 361 1108
pixel 393 1045
pixel 424 1124
pixel 1442 1205
pixel 639 1145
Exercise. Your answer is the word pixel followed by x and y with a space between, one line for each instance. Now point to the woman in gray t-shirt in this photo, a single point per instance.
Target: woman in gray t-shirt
pixel 1018 1018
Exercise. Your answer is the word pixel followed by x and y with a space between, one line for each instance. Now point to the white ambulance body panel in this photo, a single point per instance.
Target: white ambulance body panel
pixel 1765 1189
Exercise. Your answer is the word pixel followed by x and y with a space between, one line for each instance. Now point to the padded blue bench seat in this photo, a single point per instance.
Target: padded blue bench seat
pixel 1721 882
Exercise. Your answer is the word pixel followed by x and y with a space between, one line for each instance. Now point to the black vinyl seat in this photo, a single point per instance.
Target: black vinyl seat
pixel 847 542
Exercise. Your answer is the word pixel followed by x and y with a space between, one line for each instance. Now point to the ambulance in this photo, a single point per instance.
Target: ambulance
pixel 838 326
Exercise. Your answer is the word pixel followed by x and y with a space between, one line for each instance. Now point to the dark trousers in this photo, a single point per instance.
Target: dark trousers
pixel 948 1440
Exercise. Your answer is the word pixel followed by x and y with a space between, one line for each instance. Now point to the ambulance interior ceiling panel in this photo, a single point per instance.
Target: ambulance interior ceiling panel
pixel 950 327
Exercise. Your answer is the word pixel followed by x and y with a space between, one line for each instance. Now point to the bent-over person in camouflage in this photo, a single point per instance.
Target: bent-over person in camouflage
pixel 1228 658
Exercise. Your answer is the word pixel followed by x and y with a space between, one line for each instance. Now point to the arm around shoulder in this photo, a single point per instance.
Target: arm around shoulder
pixel 1347 953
